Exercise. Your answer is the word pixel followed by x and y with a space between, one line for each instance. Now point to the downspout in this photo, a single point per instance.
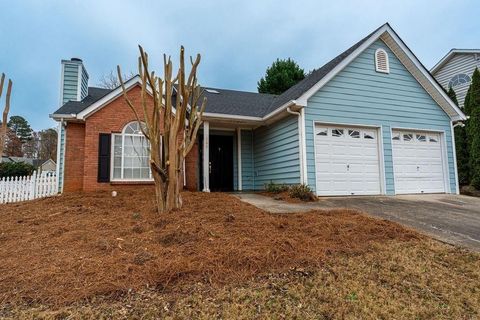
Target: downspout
pixel 300 142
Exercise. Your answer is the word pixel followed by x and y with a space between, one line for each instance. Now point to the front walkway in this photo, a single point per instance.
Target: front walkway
pixel 451 218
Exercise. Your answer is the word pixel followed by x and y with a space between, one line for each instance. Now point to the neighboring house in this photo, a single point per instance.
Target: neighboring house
pixel 455 71
pixel 40 165
pixel 371 121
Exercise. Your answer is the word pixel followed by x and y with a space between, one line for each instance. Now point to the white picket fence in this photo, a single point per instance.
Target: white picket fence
pixel 14 189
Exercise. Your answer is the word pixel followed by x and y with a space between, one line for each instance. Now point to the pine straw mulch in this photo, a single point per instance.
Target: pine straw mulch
pixel 73 247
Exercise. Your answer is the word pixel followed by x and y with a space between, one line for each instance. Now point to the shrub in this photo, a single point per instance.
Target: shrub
pixel 302 192
pixel 15 169
pixel 275 188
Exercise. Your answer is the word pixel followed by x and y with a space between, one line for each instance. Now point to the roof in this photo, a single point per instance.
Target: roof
pixel 225 103
pixel 314 77
pixel 450 55
pixel 74 107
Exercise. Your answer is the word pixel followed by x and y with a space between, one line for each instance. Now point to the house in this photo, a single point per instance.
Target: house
pixel 40 165
pixel 455 71
pixel 373 120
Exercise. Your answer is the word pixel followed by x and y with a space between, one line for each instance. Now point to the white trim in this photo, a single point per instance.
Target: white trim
pixel 59 148
pixel 304 146
pixel 300 143
pixel 381 151
pixel 206 155
pixel 282 108
pixel 230 116
pixel 380 146
pixel 450 53
pixel 387 61
pixel 239 159
pixel 444 151
pixel 455 167
pixel 109 97
pixel 302 100
pixel 79 83
pixel 393 162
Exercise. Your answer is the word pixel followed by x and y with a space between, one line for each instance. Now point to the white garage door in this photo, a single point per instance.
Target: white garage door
pixel 346 161
pixel 418 162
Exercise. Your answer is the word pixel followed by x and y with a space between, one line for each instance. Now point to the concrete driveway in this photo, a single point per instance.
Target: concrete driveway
pixel 451 218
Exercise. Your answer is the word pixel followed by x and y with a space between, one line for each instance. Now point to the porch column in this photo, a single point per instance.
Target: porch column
pixel 206 158
pixel 239 158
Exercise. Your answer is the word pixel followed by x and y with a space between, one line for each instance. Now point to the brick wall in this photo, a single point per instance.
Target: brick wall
pixel 74 157
pixel 111 119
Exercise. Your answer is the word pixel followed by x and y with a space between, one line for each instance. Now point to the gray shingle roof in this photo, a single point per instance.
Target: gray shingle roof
pixel 233 102
pixel 74 107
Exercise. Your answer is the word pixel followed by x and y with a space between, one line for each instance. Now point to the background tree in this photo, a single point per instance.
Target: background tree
pixel 48 144
pixel 111 81
pixel 171 130
pixel 280 76
pixel 21 127
pixel 473 128
pixel 6 109
pixel 461 147
pixel 13 145
pixel 31 146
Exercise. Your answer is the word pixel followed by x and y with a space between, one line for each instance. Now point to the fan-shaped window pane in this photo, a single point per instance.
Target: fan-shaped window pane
pixel 458 80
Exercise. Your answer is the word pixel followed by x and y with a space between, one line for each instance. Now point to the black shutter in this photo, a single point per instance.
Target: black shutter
pixel 104 157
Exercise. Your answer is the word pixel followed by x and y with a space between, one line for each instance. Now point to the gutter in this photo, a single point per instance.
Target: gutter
pixel 60 117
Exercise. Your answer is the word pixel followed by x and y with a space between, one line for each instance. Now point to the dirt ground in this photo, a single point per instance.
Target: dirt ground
pixel 93 255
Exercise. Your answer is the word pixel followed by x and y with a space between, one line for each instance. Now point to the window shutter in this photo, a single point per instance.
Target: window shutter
pixel 104 157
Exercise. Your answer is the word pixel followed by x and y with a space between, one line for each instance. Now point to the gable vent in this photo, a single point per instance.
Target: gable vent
pixel 381 61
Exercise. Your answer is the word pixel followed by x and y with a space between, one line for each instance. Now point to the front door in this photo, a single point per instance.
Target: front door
pixel 221 163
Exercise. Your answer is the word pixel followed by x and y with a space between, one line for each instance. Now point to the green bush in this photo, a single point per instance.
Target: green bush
pixel 15 169
pixel 302 192
pixel 275 188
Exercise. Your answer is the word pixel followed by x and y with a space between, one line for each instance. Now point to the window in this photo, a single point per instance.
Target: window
pixel 337 132
pixel 433 139
pixel 354 134
pixel 131 153
pixel 368 135
pixel 421 138
pixel 322 132
pixel 407 137
pixel 381 61
pixel 458 80
pixel 396 137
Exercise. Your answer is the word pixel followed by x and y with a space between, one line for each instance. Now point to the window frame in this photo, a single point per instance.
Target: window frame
pixel 112 155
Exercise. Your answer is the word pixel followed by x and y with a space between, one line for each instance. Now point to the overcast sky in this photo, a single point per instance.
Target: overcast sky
pixel 237 39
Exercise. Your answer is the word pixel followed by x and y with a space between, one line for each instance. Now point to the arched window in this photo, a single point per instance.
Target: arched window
pixel 131 153
pixel 458 80
pixel 381 61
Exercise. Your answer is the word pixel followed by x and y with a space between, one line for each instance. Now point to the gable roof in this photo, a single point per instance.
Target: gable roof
pixel 261 107
pixel 450 55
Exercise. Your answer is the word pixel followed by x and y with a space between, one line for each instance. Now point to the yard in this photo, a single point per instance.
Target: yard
pixel 92 255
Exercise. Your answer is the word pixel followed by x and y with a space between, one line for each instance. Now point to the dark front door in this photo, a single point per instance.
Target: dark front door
pixel 221 163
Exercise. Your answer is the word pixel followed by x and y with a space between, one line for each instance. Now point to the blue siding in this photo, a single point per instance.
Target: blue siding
pixel 247 160
pixel 276 153
pixel 70 82
pixel 360 95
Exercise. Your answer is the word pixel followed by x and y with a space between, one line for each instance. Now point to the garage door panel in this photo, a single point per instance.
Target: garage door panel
pixel 346 163
pixel 418 162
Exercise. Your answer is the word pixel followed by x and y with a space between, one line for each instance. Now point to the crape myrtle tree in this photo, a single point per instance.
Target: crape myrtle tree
pixel 6 109
pixel 280 76
pixel 473 128
pixel 170 124
pixel 461 147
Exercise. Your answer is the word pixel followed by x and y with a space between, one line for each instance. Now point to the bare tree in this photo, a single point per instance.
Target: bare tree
pixel 6 109
pixel 111 81
pixel 171 125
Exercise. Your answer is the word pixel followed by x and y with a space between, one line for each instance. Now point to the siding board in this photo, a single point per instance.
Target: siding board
pixel 360 95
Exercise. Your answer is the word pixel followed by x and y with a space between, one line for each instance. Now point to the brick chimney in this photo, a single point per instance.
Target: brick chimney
pixel 74 81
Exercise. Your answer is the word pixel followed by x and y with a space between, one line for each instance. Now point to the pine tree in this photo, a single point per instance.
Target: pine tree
pixel 473 129
pixel 280 76
pixel 461 146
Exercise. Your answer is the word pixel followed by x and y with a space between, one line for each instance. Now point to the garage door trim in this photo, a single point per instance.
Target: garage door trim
pixel 380 147
pixel 443 148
